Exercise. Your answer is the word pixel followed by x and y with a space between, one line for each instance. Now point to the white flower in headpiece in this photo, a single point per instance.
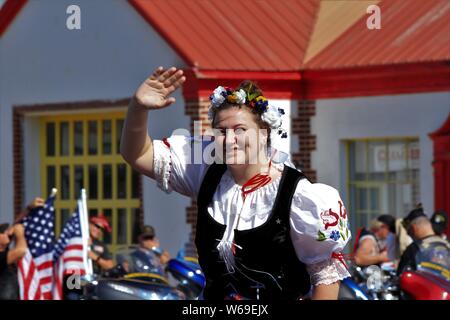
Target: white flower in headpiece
pixel 218 96
pixel 272 117
pixel 240 95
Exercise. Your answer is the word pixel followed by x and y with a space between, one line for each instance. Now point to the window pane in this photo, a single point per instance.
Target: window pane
pixel 50 135
pixel 135 184
pixel 107 181
pixel 92 128
pixel 106 136
pixel 363 220
pixel 413 155
pixel 374 199
pixel 65 182
pixel 362 199
pixel 121 181
pixel 93 184
pixel 119 126
pixel 64 138
pixel 107 237
pixel 78 137
pixel 51 179
pixel 378 160
pixel 122 226
pixel 135 224
pixel 79 183
pixel 357 165
pixel 92 213
pixel 392 184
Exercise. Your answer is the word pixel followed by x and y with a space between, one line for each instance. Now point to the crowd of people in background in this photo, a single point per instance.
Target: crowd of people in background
pixel 396 241
pixel 13 247
pixel 399 241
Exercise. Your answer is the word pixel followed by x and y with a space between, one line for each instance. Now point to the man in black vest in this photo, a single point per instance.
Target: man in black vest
pixel 421 230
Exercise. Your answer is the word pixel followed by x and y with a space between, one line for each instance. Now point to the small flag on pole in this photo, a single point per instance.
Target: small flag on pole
pixel 71 248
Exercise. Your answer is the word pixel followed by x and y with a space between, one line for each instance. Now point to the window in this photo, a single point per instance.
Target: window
pixel 82 151
pixel 383 178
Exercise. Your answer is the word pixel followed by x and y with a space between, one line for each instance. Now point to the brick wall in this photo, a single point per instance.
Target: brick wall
pixel 197 110
pixel 18 173
pixel 301 126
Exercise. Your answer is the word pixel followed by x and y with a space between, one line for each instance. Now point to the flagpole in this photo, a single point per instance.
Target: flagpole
pixel 85 232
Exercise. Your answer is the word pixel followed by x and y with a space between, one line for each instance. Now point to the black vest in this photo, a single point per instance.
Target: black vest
pixel 267 266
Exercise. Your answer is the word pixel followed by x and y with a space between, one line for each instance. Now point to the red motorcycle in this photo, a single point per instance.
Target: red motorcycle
pixel 431 280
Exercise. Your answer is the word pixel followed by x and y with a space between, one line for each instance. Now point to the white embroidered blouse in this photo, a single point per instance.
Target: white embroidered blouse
pixel 318 220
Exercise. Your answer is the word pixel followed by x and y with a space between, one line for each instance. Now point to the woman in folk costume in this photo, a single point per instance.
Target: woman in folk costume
pixel 263 230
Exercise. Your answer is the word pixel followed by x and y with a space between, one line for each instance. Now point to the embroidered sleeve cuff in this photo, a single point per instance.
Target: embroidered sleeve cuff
pixel 162 165
pixel 327 272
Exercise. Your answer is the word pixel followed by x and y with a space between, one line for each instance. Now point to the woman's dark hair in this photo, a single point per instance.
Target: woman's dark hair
pixel 388 220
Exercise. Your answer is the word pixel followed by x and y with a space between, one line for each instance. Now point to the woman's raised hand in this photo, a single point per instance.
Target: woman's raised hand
pixel 155 91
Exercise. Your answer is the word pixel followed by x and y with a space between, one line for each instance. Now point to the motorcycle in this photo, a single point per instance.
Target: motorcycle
pixel 135 278
pixel 350 290
pixel 431 280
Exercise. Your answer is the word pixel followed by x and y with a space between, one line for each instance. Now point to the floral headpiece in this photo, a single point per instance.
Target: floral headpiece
pixel 269 114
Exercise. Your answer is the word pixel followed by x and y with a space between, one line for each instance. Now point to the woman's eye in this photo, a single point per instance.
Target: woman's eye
pixel 239 131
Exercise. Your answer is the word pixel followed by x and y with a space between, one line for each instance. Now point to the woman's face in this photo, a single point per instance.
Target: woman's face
pixel 238 137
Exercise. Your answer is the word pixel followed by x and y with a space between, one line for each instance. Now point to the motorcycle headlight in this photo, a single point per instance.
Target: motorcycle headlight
pixel 374 279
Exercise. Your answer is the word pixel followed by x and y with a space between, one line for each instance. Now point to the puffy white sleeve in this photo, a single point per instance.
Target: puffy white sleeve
pixel 179 163
pixel 319 231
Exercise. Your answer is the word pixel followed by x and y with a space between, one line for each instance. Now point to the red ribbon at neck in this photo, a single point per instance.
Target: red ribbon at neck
pixel 257 181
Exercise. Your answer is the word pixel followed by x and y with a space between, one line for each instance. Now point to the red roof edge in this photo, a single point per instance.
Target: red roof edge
pixel 137 4
pixel 276 85
pixel 8 12
pixel 377 80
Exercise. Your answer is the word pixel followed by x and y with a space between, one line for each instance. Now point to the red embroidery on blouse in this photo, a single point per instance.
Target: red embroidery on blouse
pixel 342 210
pixel 329 218
pixel 166 142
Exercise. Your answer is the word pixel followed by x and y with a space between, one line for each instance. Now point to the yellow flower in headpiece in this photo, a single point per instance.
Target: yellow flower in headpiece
pixel 232 98
pixel 260 98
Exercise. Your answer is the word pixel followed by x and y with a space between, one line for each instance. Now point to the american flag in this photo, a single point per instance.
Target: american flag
pixel 35 269
pixel 68 254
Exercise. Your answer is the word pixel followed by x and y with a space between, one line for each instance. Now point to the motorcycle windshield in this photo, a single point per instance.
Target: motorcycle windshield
pixel 140 261
pixel 435 259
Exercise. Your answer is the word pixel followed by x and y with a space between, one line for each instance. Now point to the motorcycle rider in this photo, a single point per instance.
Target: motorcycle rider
pixel 98 251
pixel 388 230
pixel 10 254
pixel 420 229
pixel 149 252
pixel 368 251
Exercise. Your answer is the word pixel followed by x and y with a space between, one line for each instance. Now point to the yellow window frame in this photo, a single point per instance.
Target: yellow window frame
pixel 84 160
pixel 367 183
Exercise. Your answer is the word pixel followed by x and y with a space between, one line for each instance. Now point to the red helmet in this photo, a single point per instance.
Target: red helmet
pixel 101 222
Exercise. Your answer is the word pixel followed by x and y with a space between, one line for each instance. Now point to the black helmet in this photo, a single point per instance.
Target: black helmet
pixel 439 221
